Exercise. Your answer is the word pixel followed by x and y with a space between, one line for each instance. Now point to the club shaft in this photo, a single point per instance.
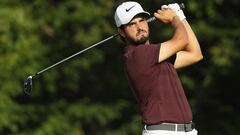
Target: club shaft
pixel 151 19
pixel 98 43
pixel 182 6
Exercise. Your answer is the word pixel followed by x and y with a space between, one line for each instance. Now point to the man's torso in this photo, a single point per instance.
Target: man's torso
pixel 157 87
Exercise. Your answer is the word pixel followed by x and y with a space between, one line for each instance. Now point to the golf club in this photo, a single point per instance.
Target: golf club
pixel 28 82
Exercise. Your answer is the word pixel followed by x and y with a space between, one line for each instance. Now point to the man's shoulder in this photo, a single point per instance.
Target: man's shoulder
pixel 141 46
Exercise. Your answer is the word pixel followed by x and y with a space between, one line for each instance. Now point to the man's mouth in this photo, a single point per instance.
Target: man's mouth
pixel 140 33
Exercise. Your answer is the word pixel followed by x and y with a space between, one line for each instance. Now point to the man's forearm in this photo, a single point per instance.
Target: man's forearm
pixel 180 32
pixel 191 53
pixel 193 44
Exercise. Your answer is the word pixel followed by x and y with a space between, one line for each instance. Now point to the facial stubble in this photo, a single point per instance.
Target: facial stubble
pixel 143 39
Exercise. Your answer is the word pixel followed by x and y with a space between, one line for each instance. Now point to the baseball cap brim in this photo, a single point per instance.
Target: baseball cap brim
pixel 146 14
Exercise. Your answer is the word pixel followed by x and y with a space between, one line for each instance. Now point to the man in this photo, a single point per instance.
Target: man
pixel 151 68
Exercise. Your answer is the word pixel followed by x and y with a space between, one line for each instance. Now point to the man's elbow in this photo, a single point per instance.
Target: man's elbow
pixel 198 57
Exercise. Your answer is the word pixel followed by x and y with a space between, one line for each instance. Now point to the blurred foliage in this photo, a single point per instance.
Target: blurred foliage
pixel 89 95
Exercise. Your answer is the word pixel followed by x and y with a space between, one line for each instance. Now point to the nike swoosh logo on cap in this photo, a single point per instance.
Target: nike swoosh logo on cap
pixel 130 8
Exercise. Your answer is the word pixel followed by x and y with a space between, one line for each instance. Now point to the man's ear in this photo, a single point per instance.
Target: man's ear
pixel 121 32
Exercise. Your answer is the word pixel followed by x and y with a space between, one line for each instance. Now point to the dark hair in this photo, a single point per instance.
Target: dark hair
pixel 121 37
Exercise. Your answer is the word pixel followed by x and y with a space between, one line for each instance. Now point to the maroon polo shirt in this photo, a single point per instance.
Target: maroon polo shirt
pixel 156 85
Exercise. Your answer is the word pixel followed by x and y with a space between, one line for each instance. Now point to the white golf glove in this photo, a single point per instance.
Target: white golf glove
pixel 164 6
pixel 175 7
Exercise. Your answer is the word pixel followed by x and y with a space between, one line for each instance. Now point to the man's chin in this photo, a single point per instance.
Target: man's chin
pixel 142 40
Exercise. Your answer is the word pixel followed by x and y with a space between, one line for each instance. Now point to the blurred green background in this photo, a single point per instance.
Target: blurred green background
pixel 89 95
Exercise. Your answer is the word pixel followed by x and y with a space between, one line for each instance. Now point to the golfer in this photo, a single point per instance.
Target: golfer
pixel 151 68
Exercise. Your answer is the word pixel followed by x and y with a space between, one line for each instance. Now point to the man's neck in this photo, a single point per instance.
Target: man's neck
pixel 146 43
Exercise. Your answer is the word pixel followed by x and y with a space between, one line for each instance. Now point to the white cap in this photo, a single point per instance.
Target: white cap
pixel 126 11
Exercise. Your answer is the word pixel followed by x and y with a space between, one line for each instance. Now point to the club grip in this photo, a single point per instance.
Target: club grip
pixel 181 5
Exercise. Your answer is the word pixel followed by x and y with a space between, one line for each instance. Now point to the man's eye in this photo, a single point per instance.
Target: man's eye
pixel 142 20
pixel 131 24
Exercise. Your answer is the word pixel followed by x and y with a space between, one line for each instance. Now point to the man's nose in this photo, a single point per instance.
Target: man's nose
pixel 138 26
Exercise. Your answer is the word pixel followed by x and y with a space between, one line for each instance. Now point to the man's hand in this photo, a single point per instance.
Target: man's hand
pixel 166 15
pixel 175 7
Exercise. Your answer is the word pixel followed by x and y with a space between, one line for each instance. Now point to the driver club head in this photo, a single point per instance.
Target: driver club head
pixel 28 85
